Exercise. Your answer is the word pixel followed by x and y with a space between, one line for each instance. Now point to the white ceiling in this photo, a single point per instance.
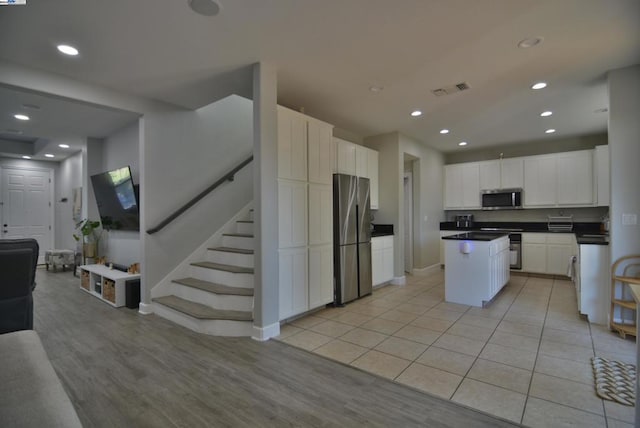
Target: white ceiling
pixel 329 53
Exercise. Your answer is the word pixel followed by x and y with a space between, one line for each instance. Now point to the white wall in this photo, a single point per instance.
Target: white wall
pixel 427 181
pixel 69 177
pixel 624 155
pixel 182 153
pixel 119 150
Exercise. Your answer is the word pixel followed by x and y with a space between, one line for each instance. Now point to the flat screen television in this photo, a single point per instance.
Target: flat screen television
pixel 117 199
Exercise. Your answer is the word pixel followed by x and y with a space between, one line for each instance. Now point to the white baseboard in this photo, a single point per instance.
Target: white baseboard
pixel 427 270
pixel 265 333
pixel 145 308
pixel 399 280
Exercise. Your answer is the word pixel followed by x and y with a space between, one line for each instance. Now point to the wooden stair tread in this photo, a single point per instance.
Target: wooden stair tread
pixel 223 267
pixel 238 235
pixel 212 287
pixel 199 311
pixel 232 250
pixel 245 221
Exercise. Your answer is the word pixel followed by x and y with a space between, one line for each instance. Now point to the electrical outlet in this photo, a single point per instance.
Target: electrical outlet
pixel 629 219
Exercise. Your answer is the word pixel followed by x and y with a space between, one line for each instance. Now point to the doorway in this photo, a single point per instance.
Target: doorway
pixel 27 211
pixel 408 222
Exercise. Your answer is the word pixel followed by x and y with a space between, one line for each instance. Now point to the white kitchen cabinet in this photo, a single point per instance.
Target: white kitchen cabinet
pixel 382 259
pixel 534 252
pixel 320 275
pixel 362 161
pixel 320 143
pixel 462 186
pixel 601 168
pixel 593 283
pixel 292 145
pixel 345 157
pixel 293 285
pixel 320 214
pixel 547 253
pixel 512 173
pixel 575 178
pixel 372 160
pixel 490 175
pixel 540 180
pixel 292 213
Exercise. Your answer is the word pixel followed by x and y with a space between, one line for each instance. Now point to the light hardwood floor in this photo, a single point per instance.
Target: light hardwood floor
pixel 122 369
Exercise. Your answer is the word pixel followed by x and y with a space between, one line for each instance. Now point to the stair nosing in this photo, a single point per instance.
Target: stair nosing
pixel 221 288
pixel 243 251
pixel 217 314
pixel 224 267
pixel 239 235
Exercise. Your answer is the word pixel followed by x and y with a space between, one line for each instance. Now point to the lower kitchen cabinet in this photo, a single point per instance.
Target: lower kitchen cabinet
pixel 592 281
pixel 293 288
pixel 382 259
pixel 320 275
pixel 445 233
pixel 547 253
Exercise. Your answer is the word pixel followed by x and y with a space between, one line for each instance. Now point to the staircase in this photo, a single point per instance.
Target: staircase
pixel 216 297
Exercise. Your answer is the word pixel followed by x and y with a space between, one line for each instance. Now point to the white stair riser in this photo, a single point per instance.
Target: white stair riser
pixel 222 277
pixel 212 327
pixel 250 216
pixel 244 228
pixel 216 301
pixel 227 258
pixel 237 242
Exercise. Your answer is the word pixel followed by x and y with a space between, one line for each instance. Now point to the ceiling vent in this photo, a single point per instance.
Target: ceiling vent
pixel 452 89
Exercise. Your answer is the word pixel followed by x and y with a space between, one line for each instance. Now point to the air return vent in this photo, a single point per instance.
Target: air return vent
pixel 451 89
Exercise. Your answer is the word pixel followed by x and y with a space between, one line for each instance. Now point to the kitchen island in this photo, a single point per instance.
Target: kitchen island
pixel 477 266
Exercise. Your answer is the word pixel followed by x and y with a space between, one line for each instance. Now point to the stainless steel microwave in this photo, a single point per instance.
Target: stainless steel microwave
pixel 501 199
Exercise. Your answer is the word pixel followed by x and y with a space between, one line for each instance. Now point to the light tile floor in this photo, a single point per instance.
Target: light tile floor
pixel 525 357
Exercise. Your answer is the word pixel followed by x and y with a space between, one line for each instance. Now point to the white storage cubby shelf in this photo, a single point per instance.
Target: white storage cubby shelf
pixel 106 284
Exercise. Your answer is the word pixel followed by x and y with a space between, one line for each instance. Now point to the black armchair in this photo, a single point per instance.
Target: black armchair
pixel 18 260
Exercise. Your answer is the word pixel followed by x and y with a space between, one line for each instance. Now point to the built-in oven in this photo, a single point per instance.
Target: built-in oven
pixel 515 250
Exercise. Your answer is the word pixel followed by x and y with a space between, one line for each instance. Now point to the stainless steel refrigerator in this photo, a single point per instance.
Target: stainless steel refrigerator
pixel 351 238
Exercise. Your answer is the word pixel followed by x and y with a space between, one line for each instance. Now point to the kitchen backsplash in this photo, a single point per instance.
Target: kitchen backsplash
pixel 594 214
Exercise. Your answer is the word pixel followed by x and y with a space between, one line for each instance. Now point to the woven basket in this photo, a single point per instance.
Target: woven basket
pixel 84 279
pixel 109 290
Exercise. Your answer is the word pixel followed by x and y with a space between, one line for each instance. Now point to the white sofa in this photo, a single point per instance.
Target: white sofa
pixel 31 394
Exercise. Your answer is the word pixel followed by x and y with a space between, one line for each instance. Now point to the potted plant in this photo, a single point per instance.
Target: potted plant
pixel 90 235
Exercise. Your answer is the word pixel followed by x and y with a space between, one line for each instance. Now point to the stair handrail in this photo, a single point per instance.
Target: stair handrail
pixel 227 177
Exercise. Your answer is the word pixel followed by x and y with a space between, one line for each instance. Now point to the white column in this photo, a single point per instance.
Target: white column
pixel 265 202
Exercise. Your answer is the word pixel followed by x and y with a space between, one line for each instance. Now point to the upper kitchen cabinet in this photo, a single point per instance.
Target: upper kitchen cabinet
pixel 601 168
pixel 345 157
pixel 501 174
pixel 354 159
pixel 292 145
pixel 304 147
pixel 320 143
pixel 462 186
pixel 560 179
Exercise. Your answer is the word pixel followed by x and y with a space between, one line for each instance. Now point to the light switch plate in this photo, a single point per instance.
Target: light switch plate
pixel 629 219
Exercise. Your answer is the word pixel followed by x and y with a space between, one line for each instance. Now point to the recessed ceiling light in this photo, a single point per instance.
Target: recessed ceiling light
pixel 49 155
pixel 376 88
pixel 539 85
pixel 68 50
pixel 26 157
pixel 205 7
pixel 462 143
pixel 31 106
pixel 64 146
pixel 416 113
pixel 21 116
pixel 550 131
pixel 546 113
pixel 530 42
pixel 444 131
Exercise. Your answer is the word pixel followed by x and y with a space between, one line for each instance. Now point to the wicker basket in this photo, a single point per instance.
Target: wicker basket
pixel 84 279
pixel 109 290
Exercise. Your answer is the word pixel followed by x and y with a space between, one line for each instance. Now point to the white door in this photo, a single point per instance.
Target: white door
pixel 26 206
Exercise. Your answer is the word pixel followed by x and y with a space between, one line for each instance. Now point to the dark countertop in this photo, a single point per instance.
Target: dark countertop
pixel 476 236
pixel 381 230
pixel 586 233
